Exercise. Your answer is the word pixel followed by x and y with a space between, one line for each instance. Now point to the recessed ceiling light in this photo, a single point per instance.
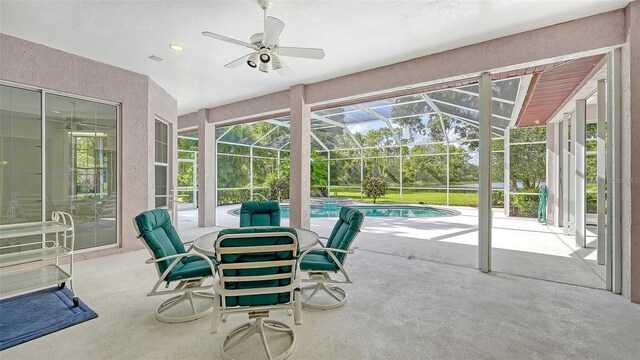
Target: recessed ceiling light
pixel 176 47
pixel 56 112
pixel 155 58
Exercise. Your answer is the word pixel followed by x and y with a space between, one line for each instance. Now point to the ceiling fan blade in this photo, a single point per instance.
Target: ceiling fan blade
pixel 307 53
pixel 237 62
pixel 284 70
pixel 272 30
pixel 228 39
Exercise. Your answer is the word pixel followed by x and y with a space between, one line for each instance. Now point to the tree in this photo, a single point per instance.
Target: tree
pixel 528 161
pixel 374 187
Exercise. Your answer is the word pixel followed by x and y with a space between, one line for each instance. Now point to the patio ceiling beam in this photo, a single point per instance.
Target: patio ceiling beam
pixel 384 119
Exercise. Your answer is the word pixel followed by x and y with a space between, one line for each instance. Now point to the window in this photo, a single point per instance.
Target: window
pixel 90 166
pixel 161 163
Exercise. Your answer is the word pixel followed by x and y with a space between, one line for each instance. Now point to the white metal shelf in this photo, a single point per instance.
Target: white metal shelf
pixel 24 281
pixel 43 275
pixel 32 228
pixel 22 257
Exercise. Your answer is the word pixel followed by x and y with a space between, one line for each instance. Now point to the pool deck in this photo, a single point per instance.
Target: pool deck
pixel 521 247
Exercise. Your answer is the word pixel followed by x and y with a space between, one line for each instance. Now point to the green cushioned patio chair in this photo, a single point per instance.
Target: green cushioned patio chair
pixel 258 272
pixel 319 262
pixel 175 264
pixel 260 213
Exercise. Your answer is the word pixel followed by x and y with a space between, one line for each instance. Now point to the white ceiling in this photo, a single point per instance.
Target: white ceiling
pixel 356 35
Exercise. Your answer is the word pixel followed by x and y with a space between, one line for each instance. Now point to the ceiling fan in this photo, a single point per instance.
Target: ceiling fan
pixel 265 46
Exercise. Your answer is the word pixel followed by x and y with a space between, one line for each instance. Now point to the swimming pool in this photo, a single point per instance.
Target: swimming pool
pixel 405 211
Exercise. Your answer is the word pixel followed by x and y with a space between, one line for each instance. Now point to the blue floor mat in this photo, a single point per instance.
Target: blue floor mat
pixel 30 316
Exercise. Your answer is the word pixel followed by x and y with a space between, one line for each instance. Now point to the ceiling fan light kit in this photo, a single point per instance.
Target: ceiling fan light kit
pixel 266 48
pixel 264 67
pixel 276 62
pixel 265 56
pixel 252 61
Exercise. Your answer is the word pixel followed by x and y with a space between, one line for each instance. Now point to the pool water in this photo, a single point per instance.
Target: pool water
pixel 405 211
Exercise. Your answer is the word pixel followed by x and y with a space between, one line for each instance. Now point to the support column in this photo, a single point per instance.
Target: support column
pixel 251 173
pixel 580 189
pixel 551 172
pixel 566 170
pixel 361 175
pixel 630 148
pixel 300 179
pixel 614 201
pixel 507 171
pixel 329 173
pixel 448 162
pixel 401 156
pixel 572 177
pixel 602 107
pixel 484 188
pixel 207 171
pixel 559 221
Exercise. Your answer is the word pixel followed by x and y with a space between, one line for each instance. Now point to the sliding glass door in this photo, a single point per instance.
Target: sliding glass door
pixel 81 166
pixel 72 169
pixel 20 158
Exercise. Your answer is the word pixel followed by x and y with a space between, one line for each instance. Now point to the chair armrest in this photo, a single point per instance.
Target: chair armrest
pixel 329 251
pixel 326 249
pixel 179 257
pixel 176 256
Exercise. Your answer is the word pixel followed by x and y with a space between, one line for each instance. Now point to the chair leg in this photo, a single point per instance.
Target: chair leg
pixel 161 310
pixel 215 317
pixel 336 293
pixel 260 326
pixel 297 312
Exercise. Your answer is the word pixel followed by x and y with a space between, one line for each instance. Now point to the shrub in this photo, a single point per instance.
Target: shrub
pixel 319 191
pixel 279 189
pixel 233 196
pixel 525 205
pixel 592 203
pixel 374 187
pixel 497 198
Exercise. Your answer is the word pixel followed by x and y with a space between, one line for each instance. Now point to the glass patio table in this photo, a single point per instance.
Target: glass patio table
pixel 205 243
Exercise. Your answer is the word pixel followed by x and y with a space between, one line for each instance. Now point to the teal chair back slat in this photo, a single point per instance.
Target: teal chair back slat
pixel 160 236
pixel 230 238
pixel 260 213
pixel 345 230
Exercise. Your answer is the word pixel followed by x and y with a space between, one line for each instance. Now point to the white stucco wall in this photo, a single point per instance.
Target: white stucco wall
pixel 28 63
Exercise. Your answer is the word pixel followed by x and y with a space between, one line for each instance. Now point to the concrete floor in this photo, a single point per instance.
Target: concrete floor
pixel 398 308
pixel 416 295
pixel 520 246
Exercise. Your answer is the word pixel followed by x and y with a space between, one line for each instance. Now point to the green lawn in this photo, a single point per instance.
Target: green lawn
pixel 429 197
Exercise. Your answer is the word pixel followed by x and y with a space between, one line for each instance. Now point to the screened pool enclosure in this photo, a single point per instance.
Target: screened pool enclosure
pixel 424 146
